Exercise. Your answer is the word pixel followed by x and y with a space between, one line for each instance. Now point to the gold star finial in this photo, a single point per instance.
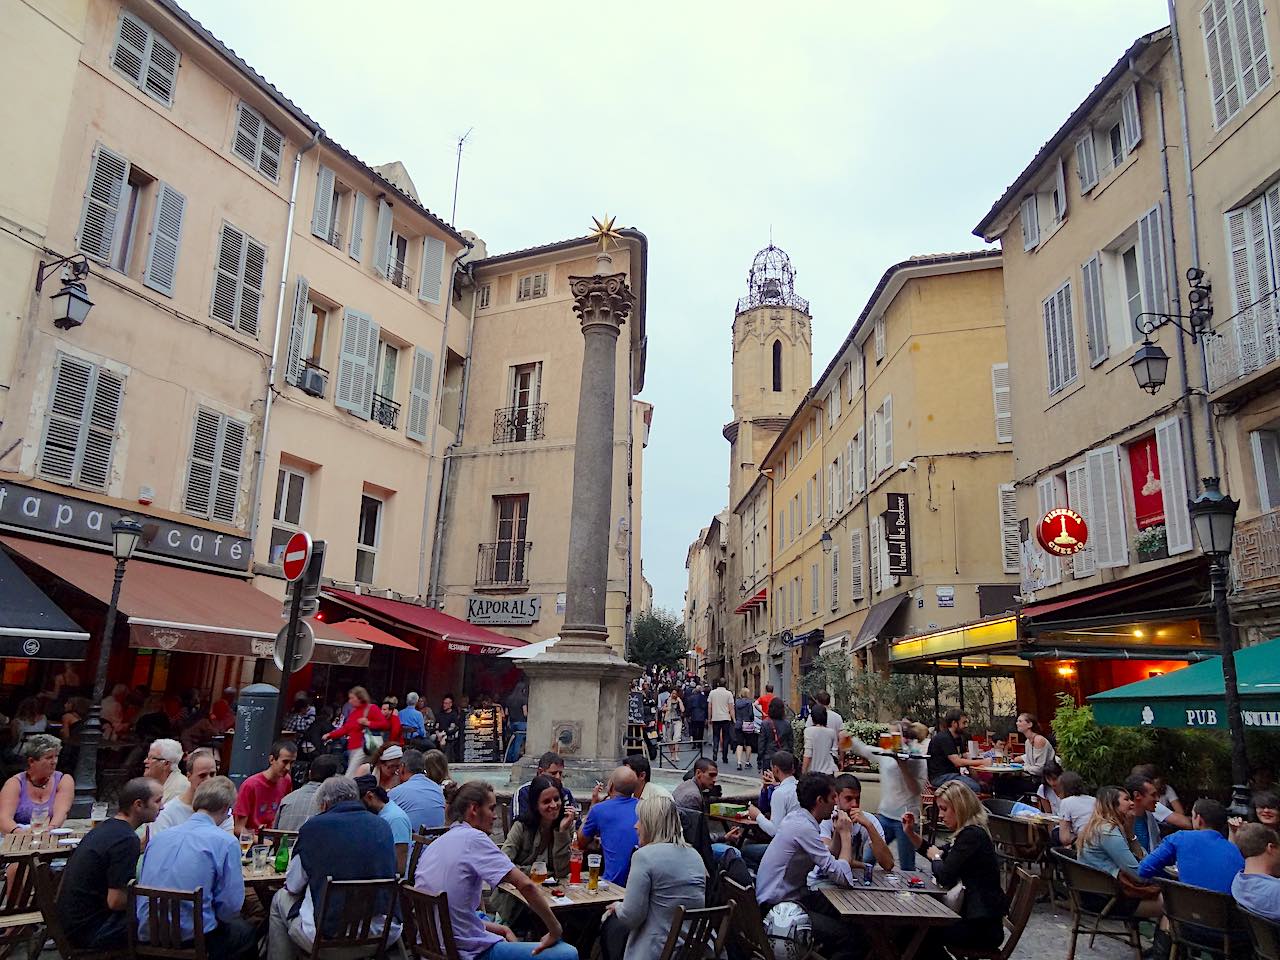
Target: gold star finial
pixel 604 232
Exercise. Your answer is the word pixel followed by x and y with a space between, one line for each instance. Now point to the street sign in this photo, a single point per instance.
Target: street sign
pixel 304 644
pixel 296 554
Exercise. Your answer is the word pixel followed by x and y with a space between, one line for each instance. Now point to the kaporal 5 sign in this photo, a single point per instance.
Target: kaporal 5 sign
pixel 43 511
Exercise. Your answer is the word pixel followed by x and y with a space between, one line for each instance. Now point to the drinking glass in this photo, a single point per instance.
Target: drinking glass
pixel 39 820
pixel 593 872
pixel 246 841
pixel 261 855
pixel 539 871
pixel 98 814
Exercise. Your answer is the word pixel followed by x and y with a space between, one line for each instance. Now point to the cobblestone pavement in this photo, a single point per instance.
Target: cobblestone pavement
pixel 1048 935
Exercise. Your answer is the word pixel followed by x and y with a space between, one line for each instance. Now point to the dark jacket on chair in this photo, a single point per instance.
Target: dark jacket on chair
pixel 346 842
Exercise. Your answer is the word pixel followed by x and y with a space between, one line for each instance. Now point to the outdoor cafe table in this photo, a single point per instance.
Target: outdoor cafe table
pixel 896 881
pixel 881 910
pixel 264 883
pixel 576 897
pixel 26 843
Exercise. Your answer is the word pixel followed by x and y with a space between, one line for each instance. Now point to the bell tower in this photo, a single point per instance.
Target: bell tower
pixel 772 364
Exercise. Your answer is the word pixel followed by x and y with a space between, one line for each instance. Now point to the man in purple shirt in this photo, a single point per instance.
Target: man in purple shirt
pixel 458 865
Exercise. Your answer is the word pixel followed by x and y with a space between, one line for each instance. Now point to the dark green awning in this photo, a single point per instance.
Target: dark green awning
pixel 1193 696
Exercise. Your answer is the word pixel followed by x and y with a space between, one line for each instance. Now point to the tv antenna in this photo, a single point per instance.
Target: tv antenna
pixel 457 172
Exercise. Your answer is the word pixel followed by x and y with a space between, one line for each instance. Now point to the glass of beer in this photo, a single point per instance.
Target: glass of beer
pixel 593 872
pixel 246 841
pixel 97 814
pixel 539 871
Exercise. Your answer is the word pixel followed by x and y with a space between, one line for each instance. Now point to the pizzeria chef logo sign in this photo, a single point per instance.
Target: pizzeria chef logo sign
pixel 1062 532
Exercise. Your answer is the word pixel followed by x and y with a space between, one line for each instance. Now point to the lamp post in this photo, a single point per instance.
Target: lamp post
pixel 125 533
pixel 1213 515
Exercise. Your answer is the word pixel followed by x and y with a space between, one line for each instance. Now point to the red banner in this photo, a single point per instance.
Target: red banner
pixel 1144 470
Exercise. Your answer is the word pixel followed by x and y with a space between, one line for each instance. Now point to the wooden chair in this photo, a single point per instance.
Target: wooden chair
pixel 1264 933
pixel 929 814
pixel 1203 921
pixel 164 923
pixel 428 931
pixel 355 905
pixel 1015 921
pixel 46 884
pixel 418 843
pixel 272 838
pixel 999 806
pixel 706 934
pixel 1081 880
pixel 746 931
pixel 1018 844
pixel 19 911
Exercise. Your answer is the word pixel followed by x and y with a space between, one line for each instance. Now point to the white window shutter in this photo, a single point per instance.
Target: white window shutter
pixel 161 270
pixel 1047 496
pixel 226 277
pixel 298 329
pixel 876 575
pixel 1130 118
pixel 1106 508
pixel 1086 162
pixel 271 152
pixel 354 390
pixel 1173 486
pixel 1051 346
pixel 851 473
pixel 875 444
pixel 252 276
pixel 855 565
pixel 1010 548
pixel 382 238
pixel 862 463
pixel 80 426
pixel 837 482
pixel 1060 184
pixel 1251 40
pixel 1030 223
pixel 835 577
pixel 203 464
pixel 130 53
pixel 162 69
pixel 1266 466
pixel 1067 337
pixel 1001 390
pixel 1155 287
pixel 322 210
pixel 431 276
pixel 886 422
pixel 880 337
pixel 1224 92
pixel 100 434
pixel 356 244
pixel 420 386
pixel 1095 318
pixel 248 134
pixel 1082 563
pixel 108 173
pixel 231 449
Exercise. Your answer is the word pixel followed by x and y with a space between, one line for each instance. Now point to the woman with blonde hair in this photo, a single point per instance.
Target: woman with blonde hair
pixel 970 859
pixel 1107 843
pixel 665 873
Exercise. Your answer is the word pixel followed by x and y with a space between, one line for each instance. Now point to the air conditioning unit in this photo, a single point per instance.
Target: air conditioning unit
pixel 312 381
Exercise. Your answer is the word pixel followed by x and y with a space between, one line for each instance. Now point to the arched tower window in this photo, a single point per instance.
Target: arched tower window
pixel 777 366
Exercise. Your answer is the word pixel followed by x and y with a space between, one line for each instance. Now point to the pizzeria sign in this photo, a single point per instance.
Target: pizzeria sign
pixel 1062 532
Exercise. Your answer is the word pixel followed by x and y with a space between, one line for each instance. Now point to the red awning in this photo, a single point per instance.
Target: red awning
pixel 1088 596
pixel 758 600
pixel 366 631
pixel 458 635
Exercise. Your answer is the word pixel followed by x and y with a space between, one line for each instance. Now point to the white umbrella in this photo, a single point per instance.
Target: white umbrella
pixel 530 651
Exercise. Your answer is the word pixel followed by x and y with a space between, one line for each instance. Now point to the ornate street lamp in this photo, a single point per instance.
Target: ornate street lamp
pixel 826 541
pixel 71 304
pixel 1213 516
pixel 125 534
pixel 1150 364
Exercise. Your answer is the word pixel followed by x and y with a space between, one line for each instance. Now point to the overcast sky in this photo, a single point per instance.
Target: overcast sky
pixel 860 134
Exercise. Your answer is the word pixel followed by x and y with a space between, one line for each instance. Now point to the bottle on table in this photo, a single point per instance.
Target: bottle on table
pixel 575 866
pixel 282 855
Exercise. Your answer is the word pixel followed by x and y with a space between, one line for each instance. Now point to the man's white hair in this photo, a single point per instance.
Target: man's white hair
pixel 171 750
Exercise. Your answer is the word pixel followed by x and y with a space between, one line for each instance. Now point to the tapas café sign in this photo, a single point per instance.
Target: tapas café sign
pixel 1062 532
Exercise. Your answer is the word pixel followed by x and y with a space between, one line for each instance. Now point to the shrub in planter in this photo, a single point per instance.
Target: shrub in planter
pixel 1152 542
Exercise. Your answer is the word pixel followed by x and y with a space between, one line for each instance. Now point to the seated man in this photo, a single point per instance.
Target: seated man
pixel 692 793
pixel 344 841
pixel 375 800
pixel 161 765
pixel 550 764
pixel 1257 889
pixel 204 765
pixel 614 822
pixel 781 802
pixel 946 759
pixel 1204 855
pixel 643 768
pixel 260 794
pixel 199 853
pixel 798 850
pixel 866 836
pixel 420 797
pixel 93 897
pixel 300 806
pixel 1150 816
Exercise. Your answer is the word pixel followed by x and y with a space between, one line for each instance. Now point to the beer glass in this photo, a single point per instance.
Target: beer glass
pixel 539 871
pixel 593 872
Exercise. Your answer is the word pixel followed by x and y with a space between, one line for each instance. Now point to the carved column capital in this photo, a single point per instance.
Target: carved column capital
pixel 602 299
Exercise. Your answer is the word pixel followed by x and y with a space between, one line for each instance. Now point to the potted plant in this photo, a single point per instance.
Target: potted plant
pixel 1152 543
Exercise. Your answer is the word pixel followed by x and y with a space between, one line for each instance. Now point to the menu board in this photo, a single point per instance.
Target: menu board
pixel 482 736
pixel 635 707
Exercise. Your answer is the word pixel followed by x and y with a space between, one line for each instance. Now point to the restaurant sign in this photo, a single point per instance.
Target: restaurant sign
pixel 897 534
pixel 1062 532
pixel 43 511
pixel 503 610
pixel 1183 714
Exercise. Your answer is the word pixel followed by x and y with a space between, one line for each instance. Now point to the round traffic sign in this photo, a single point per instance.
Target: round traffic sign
pixel 297 553
pixel 304 645
pixel 1062 532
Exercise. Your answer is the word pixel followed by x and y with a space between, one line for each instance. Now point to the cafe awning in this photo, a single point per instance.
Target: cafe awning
pixel 183 609
pixel 364 630
pixel 457 635
pixel 31 625
pixel 758 599
pixel 877 617
pixel 1193 696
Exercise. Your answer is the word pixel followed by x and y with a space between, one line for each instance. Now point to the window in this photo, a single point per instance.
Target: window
pixel 531 286
pixel 1057 195
pixel 1086 163
pixel 1235 40
pixel 306 332
pixel 257 142
pixel 80 424
pixel 147 59
pixel 388 358
pixel 1266 467
pixel 510 545
pixel 291 485
pixel 856 560
pixel 808 503
pixel 421 386
pixel 356 247
pixel 483 293
pixel 877 574
pixel 213 472
pixel 815 589
pixel 1060 339
pixel 1115 145
pixel 1121 282
pixel 782 530
pixel 324 216
pixel 882 436
pixel 524 389
pixel 879 338
pixel 237 280
pixel 1010 548
pixel 357 363
pixel 1001 391
pixel 397 260
pixel 368 538
pixel 1030 216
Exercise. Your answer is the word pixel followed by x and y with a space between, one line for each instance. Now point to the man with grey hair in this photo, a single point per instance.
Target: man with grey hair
pixel 161 765
pixel 420 797
pixel 203 766
pixel 199 853
pixel 343 841
pixel 412 723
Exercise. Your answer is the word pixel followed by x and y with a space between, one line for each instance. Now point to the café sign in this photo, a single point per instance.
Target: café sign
pixel 1062 532
pixel 44 511
pixel 503 610
pixel 897 534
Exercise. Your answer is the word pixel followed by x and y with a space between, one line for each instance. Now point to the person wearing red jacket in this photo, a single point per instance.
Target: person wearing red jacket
pixel 364 718
pixel 395 728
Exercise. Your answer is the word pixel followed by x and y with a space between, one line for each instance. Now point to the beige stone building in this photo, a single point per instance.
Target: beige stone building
pixel 704 613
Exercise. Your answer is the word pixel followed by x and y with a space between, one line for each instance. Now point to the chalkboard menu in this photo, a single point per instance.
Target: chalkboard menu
pixel 482 736
pixel 635 707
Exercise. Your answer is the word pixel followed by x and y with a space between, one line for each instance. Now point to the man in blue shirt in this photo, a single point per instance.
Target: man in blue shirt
pixel 199 853
pixel 614 822
pixel 412 723
pixel 1258 888
pixel 375 800
pixel 420 797
pixel 1149 814
pixel 1204 855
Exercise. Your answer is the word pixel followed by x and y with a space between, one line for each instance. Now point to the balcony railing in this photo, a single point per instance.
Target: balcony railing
pixel 384 411
pixel 1245 344
pixel 503 564
pixel 399 274
pixel 334 239
pixel 1255 560
pixel 516 424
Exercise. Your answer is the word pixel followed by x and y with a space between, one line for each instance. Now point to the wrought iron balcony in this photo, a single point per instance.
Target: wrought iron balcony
pixel 503 564
pixel 399 274
pixel 1244 344
pixel 384 411
pixel 516 424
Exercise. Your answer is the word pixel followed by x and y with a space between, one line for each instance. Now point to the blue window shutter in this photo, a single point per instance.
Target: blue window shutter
pixel 297 329
pixel 430 276
pixel 356 247
pixel 322 212
pixel 382 239
pixel 166 239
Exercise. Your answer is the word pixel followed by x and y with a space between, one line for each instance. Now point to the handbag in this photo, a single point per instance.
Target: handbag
pixel 372 741
pixel 954 898
pixel 1136 889
pixel 748 726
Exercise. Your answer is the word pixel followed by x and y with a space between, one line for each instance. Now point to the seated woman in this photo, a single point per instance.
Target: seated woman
pixel 1106 843
pixel 38 789
pixel 387 764
pixel 665 873
pixel 969 859
pixel 1075 807
pixel 542 833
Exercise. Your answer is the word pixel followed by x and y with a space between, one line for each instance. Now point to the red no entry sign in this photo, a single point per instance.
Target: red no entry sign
pixel 297 553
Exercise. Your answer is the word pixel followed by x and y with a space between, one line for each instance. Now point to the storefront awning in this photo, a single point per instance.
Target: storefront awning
pixel 178 608
pixel 32 625
pixel 1146 586
pixel 757 599
pixel 457 635
pixel 366 631
pixel 1193 696
pixel 877 617
pixel 985 638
